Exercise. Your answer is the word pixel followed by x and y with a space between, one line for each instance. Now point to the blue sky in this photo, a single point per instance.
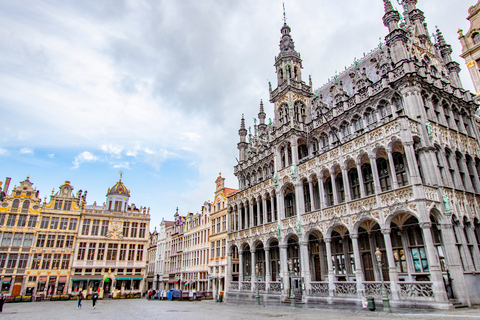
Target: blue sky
pixel 157 88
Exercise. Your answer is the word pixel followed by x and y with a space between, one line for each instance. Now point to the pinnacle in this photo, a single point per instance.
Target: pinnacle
pixel 441 39
pixel 388 6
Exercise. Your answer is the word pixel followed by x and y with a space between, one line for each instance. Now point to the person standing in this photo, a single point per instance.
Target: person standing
pixel 94 299
pixel 80 298
pixel 153 294
pixel 2 301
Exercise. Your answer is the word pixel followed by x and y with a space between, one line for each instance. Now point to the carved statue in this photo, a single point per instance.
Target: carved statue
pixel 279 234
pixel 250 130
pixel 446 203
pixel 275 178
pixel 270 121
pixel 299 231
pixel 294 175
pixel 429 128
pixel 254 121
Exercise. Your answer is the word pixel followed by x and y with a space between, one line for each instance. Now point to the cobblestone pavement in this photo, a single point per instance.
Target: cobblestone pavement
pixel 199 310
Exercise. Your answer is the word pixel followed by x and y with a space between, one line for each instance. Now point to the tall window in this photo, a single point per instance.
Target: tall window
pixel 22 261
pixel 95 227
pixel 73 224
pixel 69 242
pixel 328 191
pixel 400 169
pixel 142 230
pixel 140 252
pixel 56 261
pixel 63 224
pixel 15 205
pixel 134 229
pixel 85 227
pixel 22 220
pixel 383 174
pixel 112 251
pixel 25 206
pixel 91 251
pixel 44 223
pixel 354 183
pixel 12 260
pixel 2 219
pixel 68 205
pixel 104 230
pixel 126 226
pixel 417 248
pixel 60 241
pixel 340 188
pixel 37 258
pixel 41 240
pixel 123 252
pixel 28 240
pixel 54 223
pixel 50 241
pixel 131 252
pixel 101 251
pixel 58 204
pixel 289 202
pixel 17 239
pixel 306 196
pixel 11 220
pixel 47 259
pixel 66 261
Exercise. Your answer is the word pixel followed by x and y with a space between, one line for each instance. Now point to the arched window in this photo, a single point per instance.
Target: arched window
pixel 324 141
pixel 306 196
pixel 458 159
pixel 476 38
pixel 397 102
pixel 289 201
pixel 15 205
pixel 368 179
pixel 25 206
pixel 383 174
pixel 400 169
pixel 328 191
pixel 370 116
pixel 340 188
pixel 302 150
pixel 345 129
pixel 354 183
pixel 384 109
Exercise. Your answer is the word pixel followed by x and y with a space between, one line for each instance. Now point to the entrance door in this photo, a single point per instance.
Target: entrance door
pixel 107 283
pixel 16 289
pixel 368 272
pixel 317 268
pixel 297 287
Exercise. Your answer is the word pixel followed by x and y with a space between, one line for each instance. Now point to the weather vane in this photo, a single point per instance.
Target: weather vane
pixel 121 174
pixel 284 16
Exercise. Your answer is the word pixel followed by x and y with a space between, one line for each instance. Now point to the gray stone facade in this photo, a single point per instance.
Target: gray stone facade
pixel 382 159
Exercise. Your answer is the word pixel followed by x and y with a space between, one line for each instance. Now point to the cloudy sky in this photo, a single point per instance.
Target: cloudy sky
pixel 156 88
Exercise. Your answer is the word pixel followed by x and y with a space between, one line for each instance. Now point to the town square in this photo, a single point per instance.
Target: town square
pixel 186 159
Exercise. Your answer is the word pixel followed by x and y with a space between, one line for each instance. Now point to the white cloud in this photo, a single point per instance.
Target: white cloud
pixel 84 157
pixel 28 151
pixel 112 149
pixel 125 165
pixel 3 152
pixel 51 155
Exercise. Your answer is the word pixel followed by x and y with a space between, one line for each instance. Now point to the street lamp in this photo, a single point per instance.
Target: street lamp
pixel 386 302
pixel 292 294
pixel 257 289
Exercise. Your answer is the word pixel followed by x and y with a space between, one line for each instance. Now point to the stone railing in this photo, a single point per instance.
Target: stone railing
pixel 375 289
pixel 233 285
pixel 319 288
pixel 416 290
pixel 261 285
pixel 246 286
pixel 345 288
pixel 275 287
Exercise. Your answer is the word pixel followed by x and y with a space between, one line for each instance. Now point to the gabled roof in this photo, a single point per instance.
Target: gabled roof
pixel 230 192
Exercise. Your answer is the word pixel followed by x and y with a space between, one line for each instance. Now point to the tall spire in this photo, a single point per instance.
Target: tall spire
pixel 391 17
pixel 388 6
pixel 440 39
pixel 284 15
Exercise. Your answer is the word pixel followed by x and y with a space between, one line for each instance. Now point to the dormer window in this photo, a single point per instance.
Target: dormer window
pixel 476 38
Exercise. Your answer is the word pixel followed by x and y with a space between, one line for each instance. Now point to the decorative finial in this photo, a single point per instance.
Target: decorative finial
pixel 220 174
pixel 284 16
pixel 121 174
pixel 460 32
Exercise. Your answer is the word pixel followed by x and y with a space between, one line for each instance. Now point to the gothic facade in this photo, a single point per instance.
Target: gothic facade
pixel 470 46
pixel 383 160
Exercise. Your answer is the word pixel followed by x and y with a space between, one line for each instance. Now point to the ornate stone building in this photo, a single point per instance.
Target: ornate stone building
pixel 54 244
pixel 471 46
pixel 19 217
pixel 151 259
pixel 385 155
pixel 161 258
pixel 218 235
pixel 110 252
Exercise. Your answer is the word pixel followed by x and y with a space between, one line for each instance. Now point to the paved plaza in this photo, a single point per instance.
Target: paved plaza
pixel 198 310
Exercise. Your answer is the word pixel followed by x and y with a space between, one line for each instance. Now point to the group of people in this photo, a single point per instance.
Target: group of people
pixel 81 297
pixel 151 294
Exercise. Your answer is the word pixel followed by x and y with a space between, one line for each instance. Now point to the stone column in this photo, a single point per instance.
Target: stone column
pixel 253 278
pixel 454 262
pixel 228 278
pixel 435 271
pixel 264 208
pixel 346 183
pixel 392 269
pixel 392 168
pixel 321 190
pixel 259 213
pixel 280 206
pixel 358 265
pixel 295 152
pixel 376 179
pixel 250 209
pixel 284 269
pixel 268 272
pixel 299 199
pixel 363 194
pixel 331 285
pixel 310 189
pixel 240 269
pixel 334 187
pixel 305 265
pixel 412 164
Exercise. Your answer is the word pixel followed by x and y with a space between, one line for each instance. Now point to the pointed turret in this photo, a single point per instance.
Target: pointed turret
pixel 262 116
pixel 417 18
pixel 446 52
pixel 242 145
pixel 391 17
pixel 397 39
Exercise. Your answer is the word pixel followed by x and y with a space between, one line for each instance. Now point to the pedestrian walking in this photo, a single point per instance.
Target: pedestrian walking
pixel 94 299
pixel 2 301
pixel 149 294
pixel 153 294
pixel 80 298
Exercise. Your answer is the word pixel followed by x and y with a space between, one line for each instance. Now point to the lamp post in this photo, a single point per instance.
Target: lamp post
pixel 386 302
pixel 257 289
pixel 292 294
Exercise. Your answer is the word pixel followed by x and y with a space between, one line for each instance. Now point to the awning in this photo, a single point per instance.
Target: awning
pixel 99 279
pixel 137 279
pixel 79 279
pixel 123 279
pixel 7 280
